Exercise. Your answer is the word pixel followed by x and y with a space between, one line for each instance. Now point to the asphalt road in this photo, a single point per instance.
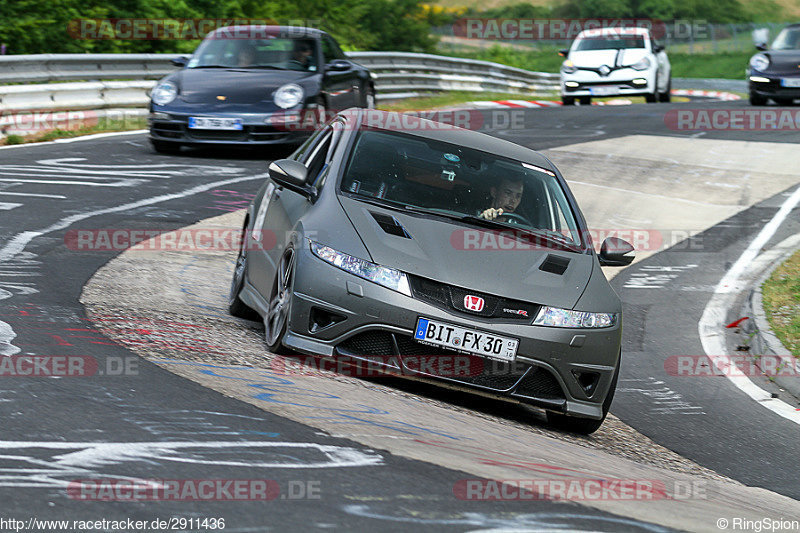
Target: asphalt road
pixel 132 420
pixel 52 426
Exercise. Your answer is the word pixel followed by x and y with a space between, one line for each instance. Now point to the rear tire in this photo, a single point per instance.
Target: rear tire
pixel 369 98
pixel 165 147
pixel 568 100
pixel 666 96
pixel 236 306
pixel 584 426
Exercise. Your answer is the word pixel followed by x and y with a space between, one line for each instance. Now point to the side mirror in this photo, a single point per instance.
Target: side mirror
pixel 563 52
pixel 338 65
pixel 292 175
pixel 614 252
pixel 762 46
pixel 179 61
pixel 658 48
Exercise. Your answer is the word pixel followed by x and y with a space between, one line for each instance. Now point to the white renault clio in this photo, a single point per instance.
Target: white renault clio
pixel 615 61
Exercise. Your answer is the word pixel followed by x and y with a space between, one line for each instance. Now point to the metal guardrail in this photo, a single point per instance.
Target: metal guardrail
pixel 397 75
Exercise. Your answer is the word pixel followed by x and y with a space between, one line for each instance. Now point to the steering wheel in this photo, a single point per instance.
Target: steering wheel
pixel 515 219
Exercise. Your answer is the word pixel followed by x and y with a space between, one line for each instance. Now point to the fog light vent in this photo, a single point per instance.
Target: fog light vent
pixel 587 380
pixel 321 319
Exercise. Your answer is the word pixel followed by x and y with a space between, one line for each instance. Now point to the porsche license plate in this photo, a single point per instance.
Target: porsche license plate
pixel 609 90
pixel 465 339
pixel 212 123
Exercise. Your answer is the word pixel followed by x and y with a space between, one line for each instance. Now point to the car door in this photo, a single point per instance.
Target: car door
pixel 340 77
pixel 275 217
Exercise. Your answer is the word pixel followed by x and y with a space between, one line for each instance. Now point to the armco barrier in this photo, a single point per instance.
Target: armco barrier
pixel 397 75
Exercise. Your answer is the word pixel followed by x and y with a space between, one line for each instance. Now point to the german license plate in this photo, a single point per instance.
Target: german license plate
pixel 465 339
pixel 212 123
pixel 790 82
pixel 609 90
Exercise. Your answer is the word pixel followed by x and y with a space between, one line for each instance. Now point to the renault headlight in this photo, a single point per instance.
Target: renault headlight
pixel 164 93
pixel 759 62
pixel 642 64
pixel 288 96
pixel 387 277
pixel 568 67
pixel 565 318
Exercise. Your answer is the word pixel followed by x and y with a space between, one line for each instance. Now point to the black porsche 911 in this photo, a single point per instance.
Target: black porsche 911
pixel 774 72
pixel 255 85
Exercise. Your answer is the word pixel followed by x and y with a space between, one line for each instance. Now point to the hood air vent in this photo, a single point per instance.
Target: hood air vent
pixel 555 264
pixel 390 225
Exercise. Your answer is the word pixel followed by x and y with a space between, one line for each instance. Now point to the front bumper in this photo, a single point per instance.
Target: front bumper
pixel 377 324
pixel 617 83
pixel 773 88
pixel 258 129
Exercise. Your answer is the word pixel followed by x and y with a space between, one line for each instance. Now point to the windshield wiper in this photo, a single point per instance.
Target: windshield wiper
pixel 558 240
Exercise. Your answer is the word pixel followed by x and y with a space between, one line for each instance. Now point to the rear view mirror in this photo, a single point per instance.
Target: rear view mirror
pixel 761 46
pixel 614 252
pixel 292 175
pixel 179 61
pixel 338 65
pixel 563 53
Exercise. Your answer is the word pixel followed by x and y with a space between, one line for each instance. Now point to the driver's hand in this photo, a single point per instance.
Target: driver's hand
pixel 491 213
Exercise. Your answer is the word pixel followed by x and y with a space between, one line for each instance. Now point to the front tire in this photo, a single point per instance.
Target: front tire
pixel 666 96
pixel 369 98
pixel 165 147
pixel 757 99
pixel 236 306
pixel 584 426
pixel 280 302
pixel 586 100
pixel 568 100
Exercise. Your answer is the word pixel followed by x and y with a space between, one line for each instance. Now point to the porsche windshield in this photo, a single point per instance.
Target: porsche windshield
pixel 270 52
pixel 417 174
pixel 787 39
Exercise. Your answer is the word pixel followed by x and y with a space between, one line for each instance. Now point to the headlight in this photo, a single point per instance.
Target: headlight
pixel 759 62
pixel 564 318
pixel 288 95
pixel 568 67
pixel 388 277
pixel 642 64
pixel 164 93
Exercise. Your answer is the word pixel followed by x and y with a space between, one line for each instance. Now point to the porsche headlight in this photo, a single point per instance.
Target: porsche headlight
pixel 642 64
pixel 759 62
pixel 565 318
pixel 164 93
pixel 568 67
pixel 387 277
pixel 288 96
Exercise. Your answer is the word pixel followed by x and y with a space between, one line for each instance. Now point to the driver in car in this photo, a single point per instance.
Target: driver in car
pixel 505 197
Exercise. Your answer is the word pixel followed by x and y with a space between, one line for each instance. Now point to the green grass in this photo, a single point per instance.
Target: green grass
pixel 782 303
pixel 103 126
pixel 728 65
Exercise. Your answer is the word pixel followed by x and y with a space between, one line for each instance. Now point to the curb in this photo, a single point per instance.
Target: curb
pixel 764 341
pixel 505 104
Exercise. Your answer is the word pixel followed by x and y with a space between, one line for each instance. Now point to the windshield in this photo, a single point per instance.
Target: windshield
pixel 610 42
pixel 271 52
pixel 415 174
pixel 787 39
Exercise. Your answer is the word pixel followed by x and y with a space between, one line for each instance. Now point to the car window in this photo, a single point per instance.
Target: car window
pixel 443 178
pixel 271 52
pixel 609 42
pixel 330 50
pixel 305 150
pixel 787 39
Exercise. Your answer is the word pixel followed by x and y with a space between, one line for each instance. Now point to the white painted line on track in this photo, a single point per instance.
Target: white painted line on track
pixel 75 139
pixel 712 323
pixel 34 195
pixel 630 191
pixel 7 206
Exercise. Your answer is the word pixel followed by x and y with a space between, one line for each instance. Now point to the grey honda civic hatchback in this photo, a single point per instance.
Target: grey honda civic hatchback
pixel 404 243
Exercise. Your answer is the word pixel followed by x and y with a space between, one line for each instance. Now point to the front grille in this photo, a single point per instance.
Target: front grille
pixel 176 130
pixel 451 298
pixel 474 370
pixel 540 384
